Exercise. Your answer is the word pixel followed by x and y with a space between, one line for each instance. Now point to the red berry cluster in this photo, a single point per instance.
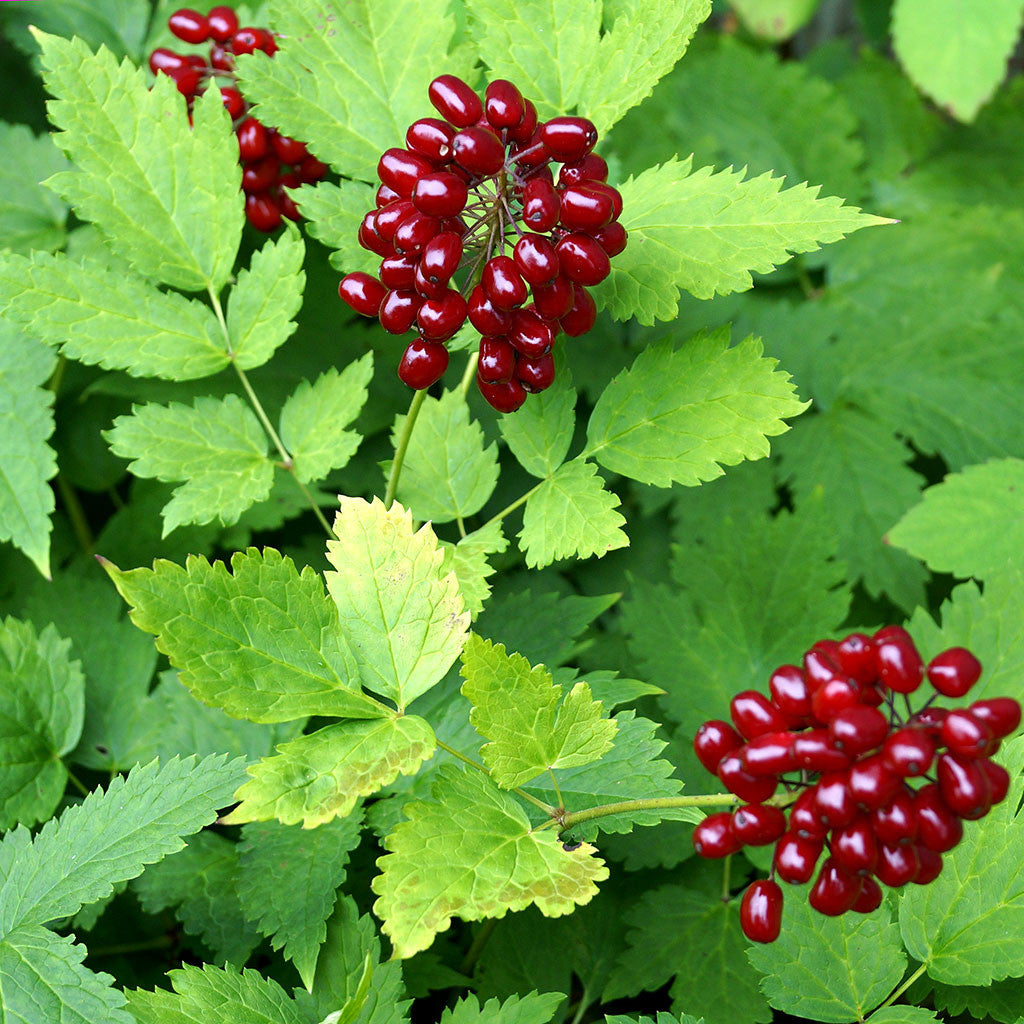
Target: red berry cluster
pixel 858 775
pixel 270 162
pixel 465 188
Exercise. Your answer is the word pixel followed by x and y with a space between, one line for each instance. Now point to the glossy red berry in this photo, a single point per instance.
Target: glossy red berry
pixel 815 751
pixel 414 232
pixel 234 102
pixel 833 802
pixel 789 692
pixel 835 891
pixel 820 666
pixel 536 259
pixel 523 131
pixel 751 788
pixel 541 205
pixel 260 175
pixel 496 364
pixel 832 696
pixel 714 837
pixel 761 911
pixel 908 752
pixel 796 857
pixel 248 40
pixel 804 820
pixel 553 301
pixel 938 827
pixel 899 665
pixel 253 141
pixel 967 735
pixel 871 784
pixel 758 824
pixel 311 169
pixel 424 286
pixel 870 897
pixel 582 313
pixel 568 138
pixel 929 720
pixel 854 846
pixel 363 293
pixel 590 168
pixel 400 169
pixel 503 284
pixel 223 23
pixel 583 259
pixel 166 61
pixel 1000 714
pixel 929 865
pixel 441 194
pixel 612 238
pixel 441 255
pixel 432 138
pixel 506 397
pixel 485 316
pixel 896 822
pixel 263 211
pixel 189 25
pixel 858 729
pixel 855 656
pixel 423 363
pixel 954 671
pixel 504 106
pixel 455 101
pixel 964 787
pixel 479 150
pixel 753 714
pixel 290 150
pixel 398 311
pixel 388 218
pixel 530 335
pixel 585 209
pixel 537 374
pixel 897 865
pixel 369 237
pixel 440 319
pixel 998 779
pixel 771 753
pixel 713 741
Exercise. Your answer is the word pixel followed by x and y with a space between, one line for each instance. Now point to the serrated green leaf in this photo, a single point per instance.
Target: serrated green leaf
pixel 333 215
pixel 318 777
pixel 1000 1001
pixel 120 25
pixel 540 433
pixel 661 1018
pixel 106 318
pixel 79 857
pixel 679 414
pixel 904 1015
pixel 31 217
pixel 705 232
pixel 971 523
pixel 448 472
pixel 533 1008
pixel 468 560
pixel 471 852
pixel 42 703
pixel 164 192
pixel 314 419
pixel 201 884
pixel 956 55
pixel 262 641
pixel 403 615
pixel 216 446
pixel 571 514
pixel 532 723
pixel 295 916
pixel 352 76
pixel 829 968
pixel 264 300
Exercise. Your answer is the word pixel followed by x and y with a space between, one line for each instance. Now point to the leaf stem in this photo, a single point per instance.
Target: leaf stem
pixel 509 509
pixel 558 792
pixel 903 988
pixel 651 803
pixel 73 507
pixel 160 942
pixel 546 808
pixel 402 446
pixel 76 782
pixel 467 375
pixel 581 1007
pixel 726 873
pixel 476 947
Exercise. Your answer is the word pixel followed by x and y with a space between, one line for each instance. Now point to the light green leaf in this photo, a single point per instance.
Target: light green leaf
pixel 447 473
pixel 165 193
pixel 352 76
pixel 333 215
pixel 318 777
pixel 471 852
pixel 42 704
pixel 531 722
pixel 31 217
pixel 705 232
pixel 679 414
pixel 216 446
pixel 79 857
pixel 42 979
pixel 106 318
pixel 215 996
pixel 26 461
pixel 971 524
pixel 774 20
pixel 468 560
pixel 955 53
pixel 403 615
pixel 571 514
pixel 529 1009
pixel 830 968
pixel 295 916
pixel 540 433
pixel 263 303
pixel 262 641
pixel 314 419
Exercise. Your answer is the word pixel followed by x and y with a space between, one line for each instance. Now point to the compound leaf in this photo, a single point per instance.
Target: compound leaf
pixel 540 433
pixel 333 215
pixel 31 217
pixel 468 560
pixel 533 1008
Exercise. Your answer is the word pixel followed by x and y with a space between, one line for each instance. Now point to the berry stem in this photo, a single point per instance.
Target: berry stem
pixel 651 803
pixel 903 988
pixel 469 373
pixel 726 879
pixel 403 446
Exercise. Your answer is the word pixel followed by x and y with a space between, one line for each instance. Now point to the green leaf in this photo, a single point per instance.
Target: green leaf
pixel 106 318
pixel 352 76
pixel 164 192
pixel 662 1018
pixel 402 614
pixel 471 852
pixel 314 419
pixel 555 53
pixel 971 524
pixel 904 1015
pixel 263 303
pixel 333 215
pixel 468 560
pixel 201 884
pixel 120 25
pixel 679 414
pixel 529 1009
pixel 216 446
pixel 318 777
pixel 705 232
pixel 295 916
pixel 42 979
pixel 957 56
pixel 42 703
pixel 774 20
pixel 830 968
pixel 79 857
pixel 571 515
pixel 215 996
pixel 262 641
pixel 540 433
pixel 26 461
pixel 999 1001
pixel 447 473
pixel 532 723
pixel 31 217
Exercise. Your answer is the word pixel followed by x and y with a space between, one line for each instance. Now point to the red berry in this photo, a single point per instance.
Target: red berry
pixel 789 692
pixel 583 259
pixel 431 138
pixel 248 40
pixel 856 658
pixel 385 196
pixel 529 335
pixel 485 316
pixel 714 837
pixel 819 666
pixel 496 365
pixel 858 729
pixel 954 672
pixel 590 168
pixel 535 258
pixel 908 752
pixel 503 104
pixel 890 632
pixel 553 301
pixel 870 897
pixel 753 714
pixel 263 211
pixel 440 319
pixel 615 198
pixel 362 292
pixel 398 272
pixel 252 140
pixel 929 865
pixel 189 25
pixel 223 23
pixel 441 256
pixel 585 209
pixel 854 846
pixel 503 284
pixel 187 81
pixel 260 175
pixel 568 138
pixel 506 397
pixel 287 204
pixel 369 238
pixel 234 102
pixel 803 817
pixel 896 822
pixel 897 865
pixel 835 891
pixel 523 131
pixel 289 150
pixel 425 287
pixel 761 911
pixel 582 313
pixel 541 205
pixel 311 169
pixel 998 779
pixel 423 363
pixel 815 751
pixel 398 311
pixel 479 150
pixel 833 696
pixel 738 780
pixel 221 59
pixel 537 374
pixel 440 194
pixel 930 721
pixel 964 787
pixel 938 827
pixel 833 802
pixel 796 857
pixel 758 824
pixel 415 231
pixel 899 665
pixel 390 217
pixel 966 735
pixel 399 169
pixel 771 753
pixel 166 61
pixel 872 784
pixel 612 238
pixel 455 101
pixel 1000 714
pixel 713 741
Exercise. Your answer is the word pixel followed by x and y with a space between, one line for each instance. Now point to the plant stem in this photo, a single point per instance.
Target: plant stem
pixel 651 803
pixel 77 782
pixel 76 514
pixel 476 947
pixel 903 988
pixel 558 792
pixel 522 500
pixel 726 872
pixel 467 375
pixel 402 446
pixel 161 942
pixel 546 808
pixel 581 1007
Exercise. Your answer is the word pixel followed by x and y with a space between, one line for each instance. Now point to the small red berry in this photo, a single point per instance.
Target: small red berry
pixel 899 664
pixel 858 729
pixel 289 150
pixel 585 209
pixel 189 25
pixel 568 138
pixel 872 784
pixel 582 313
pixel 503 104
pixel 486 317
pixel 455 101
pixel 440 319
pixel 398 312
pixel 554 301
pixel 908 752
pixel 503 284
pixel 833 696
pixel 771 753
pixel 506 397
pixel 753 714
pixel 964 787
pixel 441 256
pixel 612 238
pixel 835 891
pixel 938 827
pixel 870 897
pixel 714 837
pixel 590 168
pixel 761 911
pixel 523 131
pixel 713 741
pixel 423 363
pixel 796 857
pixel 223 23
pixel 536 374
pixel 789 692
pixel 854 846
pixel 530 335
pixel 479 150
pixel 929 865
pixel 362 292
pixel 399 169
pixel 738 780
pixel 252 140
pixel 541 205
pixel 536 259
pixel 896 822
pixel 897 865
pixel 399 272
pixel 803 816
pixel 441 194
pixel 415 231
pixel 234 102
pixel 1000 714
pixel 954 672
pixel 496 365
pixel 263 211
pixel 432 138
pixel 833 802
pixel 815 751
pixel 998 779
pixel 583 259
pixel 966 735
pixel 758 824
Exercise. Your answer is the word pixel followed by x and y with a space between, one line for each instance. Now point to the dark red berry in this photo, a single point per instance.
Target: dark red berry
pixel 390 217
pixel 234 102
pixel 761 911
pixel 385 196
pixel 796 857
pixel 758 824
pixel 966 735
pixel 854 846
pixel 431 138
pixel 954 672
pixel 998 779
pixel 872 784
pixel 439 319
pixel 553 301
pixel 189 25
pixel 1000 714
pixel 423 363
pixel 833 802
pixel 590 168
pixel 398 272
pixel 440 194
pixel 835 891
pixel 929 865
pixel 398 312
pixel 938 827
pixel 253 141
pixel 497 364
pixel 930 721
pixel 287 204
pixel 221 58
pixel 291 151
pixel 506 397
pixel 369 238
pixel 858 729
pixel 441 256
pixel 612 238
pixel 248 40
pixel 897 865
pixel 835 695
pixel 568 138
pixel 771 753
pixel 714 837
pixel 585 209
pixel 166 61
pixel 503 284
pixel 535 258
pixel 523 131
pixel 964 787
pixel 187 81
pixel 504 106
pixel 899 665
pixel 530 335
pixel 260 175
pixel 896 822
pixel 815 751
pixel 362 292
pixel 753 714
pixel 908 752
pixel 583 259
pixel 537 374
pixel 870 897
pixel 485 316
pixel 263 211
pixel 789 693
pixel 582 313
pixel 751 788
pixel 713 741
pixel 311 169
pixel 856 658
pixel 425 287
pixel 819 666
pixel 455 101
pixel 541 205
pixel 223 23
pixel 479 150
pixel 399 169
pixel 803 816
pixel 892 632
pixel 415 231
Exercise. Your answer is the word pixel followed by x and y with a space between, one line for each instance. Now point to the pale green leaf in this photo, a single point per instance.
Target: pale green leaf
pixel 216 446
pixel 448 472
pixel 42 703
pixel 106 318
pixel 533 1008
pixel 468 560
pixel 540 433
pixel 471 852
pixel 31 217
pixel 165 193
pixel 333 215
pixel 315 417
pixel 264 300
pixel 705 232
pixel 318 777
pixel 403 615
pixel 295 916
pixel 774 20
pixel 956 53
pixel 571 515
pixel 79 857
pixel 679 414
pixel 971 524
pixel 261 641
